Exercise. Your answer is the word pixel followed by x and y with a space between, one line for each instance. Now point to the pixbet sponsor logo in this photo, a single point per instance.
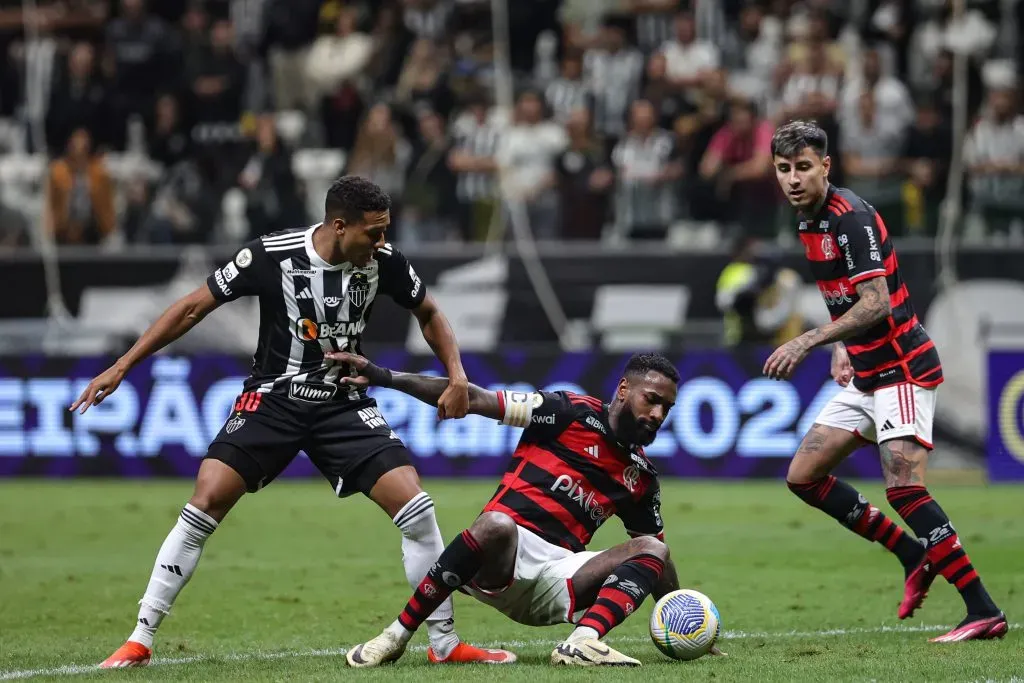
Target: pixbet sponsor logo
pixel 835 297
pixel 580 495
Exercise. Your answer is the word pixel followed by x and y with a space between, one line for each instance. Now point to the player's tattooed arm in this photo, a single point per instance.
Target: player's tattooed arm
pixel 426 388
pixel 872 307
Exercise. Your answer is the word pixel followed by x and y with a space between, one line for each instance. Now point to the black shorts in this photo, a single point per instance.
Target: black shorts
pixel 349 442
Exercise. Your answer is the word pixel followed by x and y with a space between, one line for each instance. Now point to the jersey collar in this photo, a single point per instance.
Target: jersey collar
pixel 315 259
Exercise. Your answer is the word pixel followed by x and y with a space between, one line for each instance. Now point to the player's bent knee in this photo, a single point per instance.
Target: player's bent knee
pixel 494 529
pixel 219 485
pixel 649 545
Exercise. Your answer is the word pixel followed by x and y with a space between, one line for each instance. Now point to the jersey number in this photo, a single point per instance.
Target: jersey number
pixel 248 402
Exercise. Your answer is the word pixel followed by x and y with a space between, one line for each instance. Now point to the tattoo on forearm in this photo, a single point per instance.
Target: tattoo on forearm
pixel 903 463
pixel 871 308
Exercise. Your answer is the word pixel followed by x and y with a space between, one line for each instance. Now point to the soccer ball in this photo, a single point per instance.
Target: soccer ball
pixel 685 624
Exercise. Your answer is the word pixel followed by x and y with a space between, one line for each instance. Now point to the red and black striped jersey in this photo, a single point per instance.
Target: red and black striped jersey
pixel 847 243
pixel 569 473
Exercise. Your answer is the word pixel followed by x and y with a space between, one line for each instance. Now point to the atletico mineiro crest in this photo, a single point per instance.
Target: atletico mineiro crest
pixel 358 290
pixel 234 424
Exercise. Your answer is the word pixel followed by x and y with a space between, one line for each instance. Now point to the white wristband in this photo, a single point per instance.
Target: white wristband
pixel 519 407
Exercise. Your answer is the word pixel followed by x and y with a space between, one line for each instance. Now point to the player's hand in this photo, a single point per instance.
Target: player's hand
pixel 367 373
pixel 101 387
pixel 783 361
pixel 842 368
pixel 454 402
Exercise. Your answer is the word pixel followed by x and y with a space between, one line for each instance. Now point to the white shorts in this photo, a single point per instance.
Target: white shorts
pixel 540 593
pixel 896 412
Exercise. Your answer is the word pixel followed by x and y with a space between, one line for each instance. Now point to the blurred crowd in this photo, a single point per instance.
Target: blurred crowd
pixel 207 121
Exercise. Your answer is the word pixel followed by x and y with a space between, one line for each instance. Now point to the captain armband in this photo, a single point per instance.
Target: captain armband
pixel 517 407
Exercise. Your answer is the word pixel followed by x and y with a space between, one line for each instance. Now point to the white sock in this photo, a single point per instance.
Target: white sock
pixel 582 633
pixel 174 565
pixel 422 544
pixel 396 628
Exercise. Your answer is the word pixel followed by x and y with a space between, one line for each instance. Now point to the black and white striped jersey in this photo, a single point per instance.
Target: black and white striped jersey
pixel 309 306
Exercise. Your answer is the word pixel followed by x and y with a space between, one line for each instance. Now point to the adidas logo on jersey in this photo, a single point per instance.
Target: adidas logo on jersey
pixel 592 451
pixel 306 293
pixel 887 426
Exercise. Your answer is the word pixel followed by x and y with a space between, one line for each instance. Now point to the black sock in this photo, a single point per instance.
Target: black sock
pixel 945 551
pixel 847 506
pixel 458 564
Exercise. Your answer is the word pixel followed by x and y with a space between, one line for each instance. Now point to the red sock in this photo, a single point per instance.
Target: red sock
pixel 622 593
pixel 945 552
pixel 458 564
pixel 850 508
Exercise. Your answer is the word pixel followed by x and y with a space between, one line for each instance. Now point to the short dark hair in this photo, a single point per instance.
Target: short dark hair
pixel 791 139
pixel 350 196
pixel 639 364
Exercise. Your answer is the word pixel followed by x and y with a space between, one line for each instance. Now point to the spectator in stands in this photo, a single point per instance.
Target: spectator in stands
pixel 429 214
pixel 194 39
pixel 382 154
pixel 614 73
pixel 751 52
pixel 688 59
pixel 994 155
pixel 926 161
pixel 79 205
pixel 77 100
pixel 584 181
pixel 694 129
pixel 423 85
pixel 666 99
pixel 14 229
pixel 169 140
pixel 339 59
pixel 814 67
pixel 271 191
pixel 738 162
pixel 290 30
pixel 567 93
pixel 892 21
pixel 139 59
pixel 894 109
pixel 647 166
pixel 186 203
pixel 872 150
pixel 218 83
pixel 527 152
pixel 472 159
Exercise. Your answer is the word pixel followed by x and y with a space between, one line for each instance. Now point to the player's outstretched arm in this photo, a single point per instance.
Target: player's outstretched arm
pixel 438 333
pixel 179 318
pixel 426 388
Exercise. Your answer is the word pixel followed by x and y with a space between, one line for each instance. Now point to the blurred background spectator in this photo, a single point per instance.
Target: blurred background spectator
pixel 212 120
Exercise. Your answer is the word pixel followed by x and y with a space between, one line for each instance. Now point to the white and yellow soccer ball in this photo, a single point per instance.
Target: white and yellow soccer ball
pixel 685 624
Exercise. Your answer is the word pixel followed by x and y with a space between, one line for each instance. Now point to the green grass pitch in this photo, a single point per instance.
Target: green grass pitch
pixel 295 575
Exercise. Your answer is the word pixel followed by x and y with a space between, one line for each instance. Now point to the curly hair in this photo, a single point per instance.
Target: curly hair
pixel 640 364
pixel 349 197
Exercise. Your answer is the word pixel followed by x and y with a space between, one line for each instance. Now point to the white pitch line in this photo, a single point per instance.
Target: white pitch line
pixel 78 669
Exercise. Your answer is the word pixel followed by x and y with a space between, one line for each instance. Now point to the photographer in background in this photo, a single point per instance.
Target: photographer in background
pixel 758 297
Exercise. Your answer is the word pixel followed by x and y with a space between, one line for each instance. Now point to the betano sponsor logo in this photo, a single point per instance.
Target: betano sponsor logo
pixel 311 330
